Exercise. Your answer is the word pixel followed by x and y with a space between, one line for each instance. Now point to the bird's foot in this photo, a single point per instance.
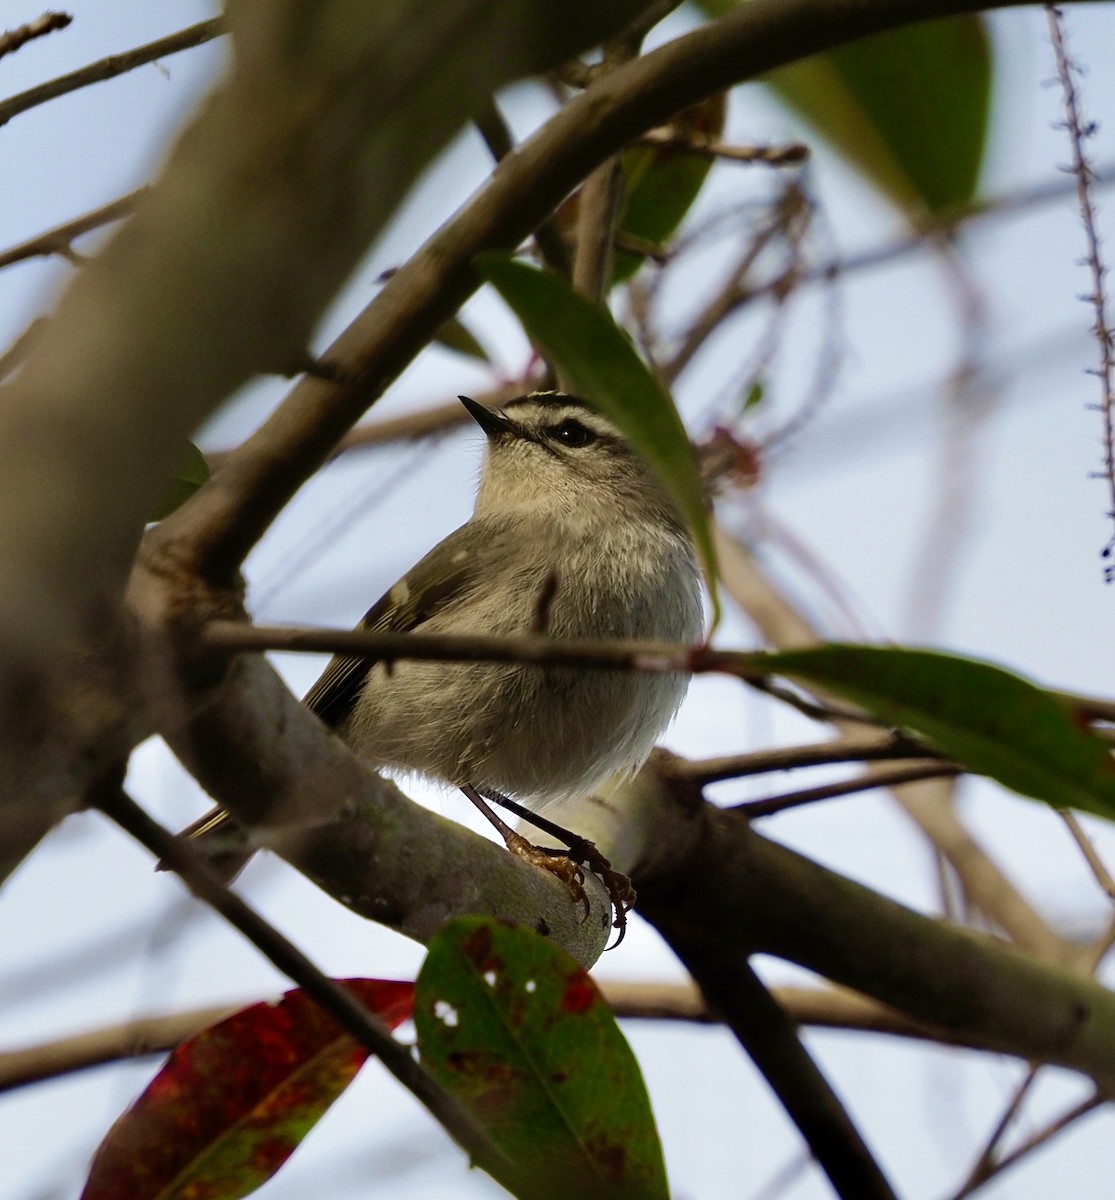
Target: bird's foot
pixel 567 866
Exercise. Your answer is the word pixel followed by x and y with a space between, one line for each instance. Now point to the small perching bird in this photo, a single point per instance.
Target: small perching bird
pixel 573 528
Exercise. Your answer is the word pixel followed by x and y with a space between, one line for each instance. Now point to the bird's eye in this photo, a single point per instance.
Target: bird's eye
pixel 573 433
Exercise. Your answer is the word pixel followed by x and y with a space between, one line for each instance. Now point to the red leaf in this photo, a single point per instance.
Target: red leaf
pixel 231 1104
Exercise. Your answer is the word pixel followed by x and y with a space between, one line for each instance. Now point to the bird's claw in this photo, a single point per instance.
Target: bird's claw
pixel 567 866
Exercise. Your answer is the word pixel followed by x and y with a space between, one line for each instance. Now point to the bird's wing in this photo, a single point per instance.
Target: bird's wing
pixel 424 590
pixel 448 569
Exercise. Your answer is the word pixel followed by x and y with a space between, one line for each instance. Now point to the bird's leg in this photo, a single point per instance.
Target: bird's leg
pixel 554 861
pixel 565 864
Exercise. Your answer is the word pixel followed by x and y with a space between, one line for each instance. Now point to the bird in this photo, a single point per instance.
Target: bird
pixel 573 533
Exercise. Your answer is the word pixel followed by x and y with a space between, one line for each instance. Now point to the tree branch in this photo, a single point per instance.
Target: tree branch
pixel 862 748
pixel 883 777
pixel 109 68
pixel 59 240
pixel 13 39
pixel 263 208
pixel 223 520
pixel 823 1008
pixel 728 891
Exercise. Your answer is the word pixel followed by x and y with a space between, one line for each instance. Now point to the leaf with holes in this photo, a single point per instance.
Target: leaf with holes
pixel 598 358
pixel 511 1025
pixel 231 1104
pixel 996 723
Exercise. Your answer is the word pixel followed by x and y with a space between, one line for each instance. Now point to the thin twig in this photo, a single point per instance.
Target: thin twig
pixel 11 40
pixel 985 1165
pixel 1096 865
pixel 819 1007
pixel 880 778
pixel 436 418
pixel 1038 1140
pixel 340 1004
pixel 1079 129
pixel 791 154
pixel 649 657
pixel 864 748
pixel 110 67
pixel 1099 949
pixel 59 239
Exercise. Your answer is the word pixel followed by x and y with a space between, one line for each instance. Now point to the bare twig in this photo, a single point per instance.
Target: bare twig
pixel 858 748
pixel 882 777
pixel 1096 865
pixel 1079 129
pixel 820 1007
pixel 11 40
pixel 109 68
pixel 985 1166
pixel 1034 1142
pixel 59 240
pixel 791 154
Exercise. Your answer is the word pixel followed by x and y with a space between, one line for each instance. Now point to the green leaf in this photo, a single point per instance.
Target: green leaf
pixel 456 335
pixel 662 182
pixel 909 109
pixel 598 358
pixel 996 723
pixel 514 1028
pixel 753 397
pixel 231 1104
pixel 192 472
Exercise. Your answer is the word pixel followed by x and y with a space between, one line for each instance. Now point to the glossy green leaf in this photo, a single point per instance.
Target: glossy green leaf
pixel 996 723
pixel 662 182
pixel 908 108
pixel 232 1103
pixel 514 1028
pixel 192 472
pixel 598 358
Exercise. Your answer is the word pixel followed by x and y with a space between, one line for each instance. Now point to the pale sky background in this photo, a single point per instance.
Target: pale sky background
pixel 89 935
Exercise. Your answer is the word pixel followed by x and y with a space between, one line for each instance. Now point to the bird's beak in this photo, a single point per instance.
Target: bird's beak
pixel 494 424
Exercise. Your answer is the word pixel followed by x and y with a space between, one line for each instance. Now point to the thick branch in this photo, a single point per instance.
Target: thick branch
pixel 731 893
pixel 264 207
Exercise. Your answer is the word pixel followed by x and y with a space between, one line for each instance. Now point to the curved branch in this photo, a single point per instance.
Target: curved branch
pixel 224 519
pixel 733 893
pixel 264 206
